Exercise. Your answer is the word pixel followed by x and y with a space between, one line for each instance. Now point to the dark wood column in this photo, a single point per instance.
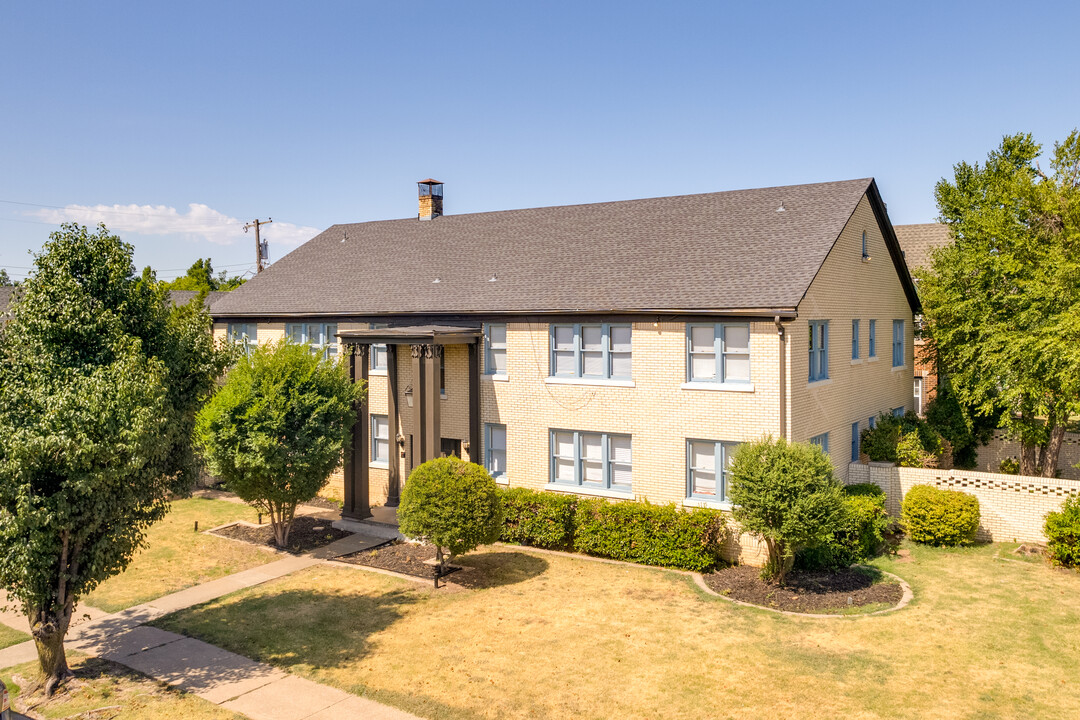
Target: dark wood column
pixel 394 492
pixel 426 392
pixel 357 501
pixel 474 403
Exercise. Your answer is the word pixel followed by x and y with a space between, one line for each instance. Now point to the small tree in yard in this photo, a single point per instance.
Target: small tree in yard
pixel 452 504
pixel 278 427
pixel 100 378
pixel 785 494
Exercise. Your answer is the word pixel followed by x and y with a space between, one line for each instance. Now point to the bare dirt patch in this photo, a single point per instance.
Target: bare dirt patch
pixel 307 534
pixel 405 558
pixel 809 592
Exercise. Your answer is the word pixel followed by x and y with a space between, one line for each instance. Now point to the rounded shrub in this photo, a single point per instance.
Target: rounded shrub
pixel 452 504
pixel 1063 533
pixel 934 516
pixel 860 536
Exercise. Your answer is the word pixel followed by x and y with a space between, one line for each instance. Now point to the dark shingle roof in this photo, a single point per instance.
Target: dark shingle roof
pixel 183 297
pixel 918 240
pixel 5 296
pixel 716 251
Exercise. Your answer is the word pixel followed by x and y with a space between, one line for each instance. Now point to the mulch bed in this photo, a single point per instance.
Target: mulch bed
pixel 405 558
pixel 307 534
pixel 808 592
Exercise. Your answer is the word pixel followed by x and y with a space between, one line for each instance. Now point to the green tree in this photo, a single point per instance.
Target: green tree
pixel 100 379
pixel 5 279
pixel 200 277
pixel 452 504
pixel 277 428
pixel 1002 301
pixel 785 494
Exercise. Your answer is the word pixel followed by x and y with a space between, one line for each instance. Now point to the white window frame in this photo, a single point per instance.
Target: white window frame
pixel 723 451
pixel 606 350
pixel 579 459
pixel 379 355
pixel 490 450
pixel 491 347
pixel 918 395
pixel 376 458
pixel 720 354
pixel 819 350
pixel 300 333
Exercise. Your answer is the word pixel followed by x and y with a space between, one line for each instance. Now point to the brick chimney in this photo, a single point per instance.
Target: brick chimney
pixel 430 199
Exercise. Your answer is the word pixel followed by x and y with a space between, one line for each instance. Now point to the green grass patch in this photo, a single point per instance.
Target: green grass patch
pixel 9 637
pixel 177 557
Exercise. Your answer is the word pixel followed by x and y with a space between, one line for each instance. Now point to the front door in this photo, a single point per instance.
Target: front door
pixel 450 447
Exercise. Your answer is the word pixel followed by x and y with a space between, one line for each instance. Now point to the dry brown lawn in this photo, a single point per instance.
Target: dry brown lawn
pixel 558 637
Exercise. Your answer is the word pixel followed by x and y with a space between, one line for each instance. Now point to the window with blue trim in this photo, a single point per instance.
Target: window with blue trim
pixel 378 352
pixel 872 422
pixel 898 412
pixel 855 441
pixel 320 337
pixel 872 338
pixel 380 440
pixel 819 350
pixel 495 450
pixel 822 441
pixel 592 459
pixel 495 349
pixel 246 334
pixel 854 339
pixel 718 352
pixel 707 465
pixel 591 350
pixel 897 343
pixel 864 253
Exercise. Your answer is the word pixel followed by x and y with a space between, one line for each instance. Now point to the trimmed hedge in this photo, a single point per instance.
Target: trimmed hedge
pixel 627 530
pixel 940 517
pixel 861 535
pixel 1063 533
pixel 649 534
pixel 541 519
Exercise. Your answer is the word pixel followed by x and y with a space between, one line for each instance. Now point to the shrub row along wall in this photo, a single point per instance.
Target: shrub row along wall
pixel 1013 507
pixel 1001 447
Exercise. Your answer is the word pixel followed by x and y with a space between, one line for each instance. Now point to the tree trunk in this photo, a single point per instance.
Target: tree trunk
pixel 1052 450
pixel 49 639
pixel 1027 458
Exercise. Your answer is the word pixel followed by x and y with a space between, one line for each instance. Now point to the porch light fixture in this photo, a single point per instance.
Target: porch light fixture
pixel 408 395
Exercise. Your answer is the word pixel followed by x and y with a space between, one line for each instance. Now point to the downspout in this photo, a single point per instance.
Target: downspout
pixel 783 363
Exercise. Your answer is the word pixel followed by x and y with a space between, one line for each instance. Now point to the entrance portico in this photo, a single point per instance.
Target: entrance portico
pixel 413 405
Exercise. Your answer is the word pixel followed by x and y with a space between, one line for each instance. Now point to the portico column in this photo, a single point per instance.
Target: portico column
pixel 394 491
pixel 474 403
pixel 357 501
pixel 426 359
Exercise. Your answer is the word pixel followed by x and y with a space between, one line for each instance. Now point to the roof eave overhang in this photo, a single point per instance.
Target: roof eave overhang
pixel 881 214
pixel 784 313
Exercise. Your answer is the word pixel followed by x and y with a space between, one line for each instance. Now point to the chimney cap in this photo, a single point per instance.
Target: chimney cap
pixel 429 181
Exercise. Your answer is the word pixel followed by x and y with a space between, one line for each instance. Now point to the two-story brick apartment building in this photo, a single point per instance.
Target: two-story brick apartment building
pixel 620 349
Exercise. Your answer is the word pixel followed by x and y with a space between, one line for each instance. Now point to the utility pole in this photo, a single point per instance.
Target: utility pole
pixel 258 245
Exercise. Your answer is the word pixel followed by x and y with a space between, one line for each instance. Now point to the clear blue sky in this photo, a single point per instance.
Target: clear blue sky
pixel 319 113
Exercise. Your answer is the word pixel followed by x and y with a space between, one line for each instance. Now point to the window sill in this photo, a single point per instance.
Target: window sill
pixel 496 378
pixel 856 361
pixel 819 383
pixel 582 490
pixel 872 358
pixel 501 480
pixel 721 387
pixel 597 382
pixel 899 368
pixel 376 373
pixel 380 465
pixel 708 504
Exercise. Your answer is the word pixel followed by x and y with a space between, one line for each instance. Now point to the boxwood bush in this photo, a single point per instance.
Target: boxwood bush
pixel 860 537
pixel 940 517
pixel 1063 533
pixel 908 440
pixel 650 534
pixel 541 519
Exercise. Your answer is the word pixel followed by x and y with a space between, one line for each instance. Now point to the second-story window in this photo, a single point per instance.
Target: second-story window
pixel 872 338
pixel 718 352
pixel 591 350
pixel 854 339
pixel 819 350
pixel 495 349
pixel 245 334
pixel 378 352
pixel 897 343
pixel 320 337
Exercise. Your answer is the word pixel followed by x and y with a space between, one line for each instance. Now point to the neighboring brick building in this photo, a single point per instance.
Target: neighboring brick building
pixel 917 242
pixel 618 349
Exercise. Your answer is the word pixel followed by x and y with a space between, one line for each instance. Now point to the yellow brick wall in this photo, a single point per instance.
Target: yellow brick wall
pixel 844 289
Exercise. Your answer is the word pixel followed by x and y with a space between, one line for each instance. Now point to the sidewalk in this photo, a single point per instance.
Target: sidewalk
pixel 232 681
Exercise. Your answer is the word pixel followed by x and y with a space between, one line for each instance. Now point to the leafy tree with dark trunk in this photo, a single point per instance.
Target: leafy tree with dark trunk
pixel 100 379
pixel 786 495
pixel 5 280
pixel 1002 301
pixel 200 277
pixel 277 428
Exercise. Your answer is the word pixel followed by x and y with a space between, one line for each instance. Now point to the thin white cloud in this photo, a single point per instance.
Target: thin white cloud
pixel 200 222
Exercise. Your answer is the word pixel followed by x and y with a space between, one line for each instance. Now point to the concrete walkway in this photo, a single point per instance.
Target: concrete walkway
pixel 232 681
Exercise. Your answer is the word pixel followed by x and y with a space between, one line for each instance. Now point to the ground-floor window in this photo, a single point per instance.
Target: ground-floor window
pixel 898 412
pixel 855 441
pixel 707 463
pixel 320 337
pixel 592 459
pixel 495 450
pixel 380 439
pixel 918 395
pixel 822 441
